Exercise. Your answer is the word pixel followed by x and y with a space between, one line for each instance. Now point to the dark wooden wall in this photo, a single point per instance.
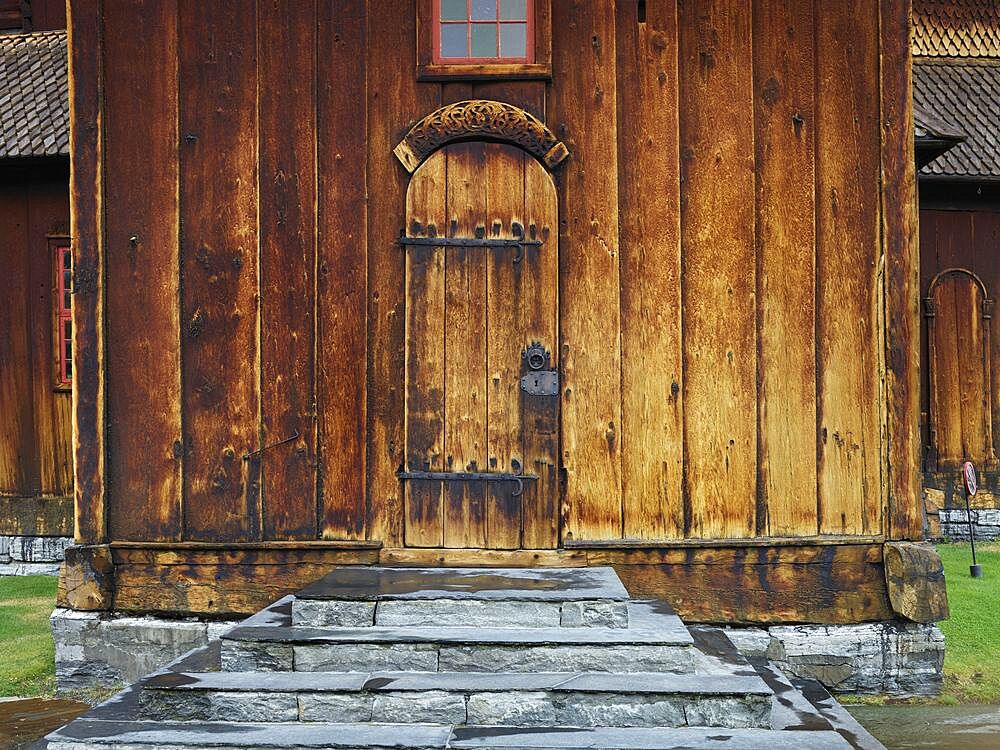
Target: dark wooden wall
pixel 36 458
pixel 724 320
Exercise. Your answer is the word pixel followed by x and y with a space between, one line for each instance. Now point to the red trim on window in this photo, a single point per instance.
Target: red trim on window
pixel 64 307
pixel 528 57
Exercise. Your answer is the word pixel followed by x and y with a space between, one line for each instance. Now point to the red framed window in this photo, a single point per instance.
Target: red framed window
pixel 484 31
pixel 64 313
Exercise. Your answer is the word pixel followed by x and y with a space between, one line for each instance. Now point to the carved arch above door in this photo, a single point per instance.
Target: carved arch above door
pixel 480 119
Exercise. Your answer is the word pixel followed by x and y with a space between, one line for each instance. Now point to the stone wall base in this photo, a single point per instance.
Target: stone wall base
pixel 98 649
pixel 32 555
pixel 894 658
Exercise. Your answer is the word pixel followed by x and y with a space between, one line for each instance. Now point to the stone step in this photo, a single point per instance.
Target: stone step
pixel 420 597
pixel 655 640
pixel 487 699
pixel 85 734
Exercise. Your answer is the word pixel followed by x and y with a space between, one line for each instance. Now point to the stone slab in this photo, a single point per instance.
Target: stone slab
pixel 366 657
pixel 323 614
pixel 498 584
pixel 469 612
pixel 87 733
pixel 576 658
pixel 689 738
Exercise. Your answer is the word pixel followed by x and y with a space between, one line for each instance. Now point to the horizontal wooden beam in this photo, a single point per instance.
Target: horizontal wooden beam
pixel 763 541
pixel 36 516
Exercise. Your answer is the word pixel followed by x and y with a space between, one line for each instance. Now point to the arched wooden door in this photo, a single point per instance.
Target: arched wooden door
pixel 482 420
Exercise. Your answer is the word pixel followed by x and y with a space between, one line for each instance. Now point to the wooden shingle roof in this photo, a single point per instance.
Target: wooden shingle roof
pixel 34 95
pixel 956 28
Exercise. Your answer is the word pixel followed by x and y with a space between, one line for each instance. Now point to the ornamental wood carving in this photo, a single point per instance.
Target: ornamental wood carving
pixel 480 118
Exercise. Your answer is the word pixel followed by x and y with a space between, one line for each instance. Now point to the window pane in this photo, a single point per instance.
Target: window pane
pixel 454 42
pixel 514 39
pixel 484 10
pixel 67 300
pixel 65 259
pixel 453 10
pixel 514 10
pixel 484 40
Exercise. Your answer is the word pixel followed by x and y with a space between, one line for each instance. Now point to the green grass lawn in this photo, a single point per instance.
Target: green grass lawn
pixel 27 666
pixel 972 634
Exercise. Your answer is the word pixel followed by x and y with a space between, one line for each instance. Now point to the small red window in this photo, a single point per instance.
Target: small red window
pixel 64 313
pixel 483 31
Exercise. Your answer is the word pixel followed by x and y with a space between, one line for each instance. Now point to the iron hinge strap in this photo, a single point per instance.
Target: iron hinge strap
pixel 470 476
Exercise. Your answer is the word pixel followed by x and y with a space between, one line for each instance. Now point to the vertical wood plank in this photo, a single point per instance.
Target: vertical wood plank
pixel 973 372
pixel 648 165
pixel 584 104
pixel 850 452
pixel 899 232
pixel 143 348
pixel 504 199
pixel 785 126
pixel 342 281
pixel 86 80
pixel 219 246
pixel 19 470
pixel 539 305
pixel 717 236
pixel 464 355
pixel 426 216
pixel 286 38
pixel 395 102
pixel 946 414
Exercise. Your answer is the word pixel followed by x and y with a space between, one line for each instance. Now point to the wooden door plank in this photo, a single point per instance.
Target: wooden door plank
pixel 847 172
pixel 584 64
pixel 539 274
pixel 648 165
pixel 395 102
pixel 218 176
pixel 504 201
pixel 785 127
pixel 425 350
pixel 947 419
pixel 717 236
pixel 286 38
pixel 464 357
pixel 145 445
pixel 342 281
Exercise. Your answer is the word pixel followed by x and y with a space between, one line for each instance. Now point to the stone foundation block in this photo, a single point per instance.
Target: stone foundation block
pixel 4 549
pixel 577 658
pixel 254 656
pixel 38 549
pixel 431 707
pixel 95 649
pixel 529 709
pixel 333 614
pixel 583 710
pixel 467 612
pixel 366 657
pixel 594 615
pixel 337 708
pixel 738 713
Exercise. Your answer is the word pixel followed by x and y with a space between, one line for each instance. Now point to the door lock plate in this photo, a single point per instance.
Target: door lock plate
pixel 541 383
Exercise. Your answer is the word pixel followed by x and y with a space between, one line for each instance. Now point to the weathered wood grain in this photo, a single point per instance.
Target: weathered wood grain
pixel 395 102
pixel 583 40
pixel 785 127
pixel 86 82
pixel 847 215
pixel 87 579
pixel 974 372
pixel 426 216
pixel 36 516
pixel 286 39
pixel 719 291
pixel 914 576
pixel 899 232
pixel 342 281
pixel 145 436
pixel 219 264
pixel 463 360
pixel 649 237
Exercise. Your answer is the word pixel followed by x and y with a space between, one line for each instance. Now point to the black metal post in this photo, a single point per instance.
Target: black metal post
pixel 975 570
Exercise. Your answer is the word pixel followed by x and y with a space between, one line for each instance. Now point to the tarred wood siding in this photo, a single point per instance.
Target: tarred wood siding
pixel 35 444
pixel 720 282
